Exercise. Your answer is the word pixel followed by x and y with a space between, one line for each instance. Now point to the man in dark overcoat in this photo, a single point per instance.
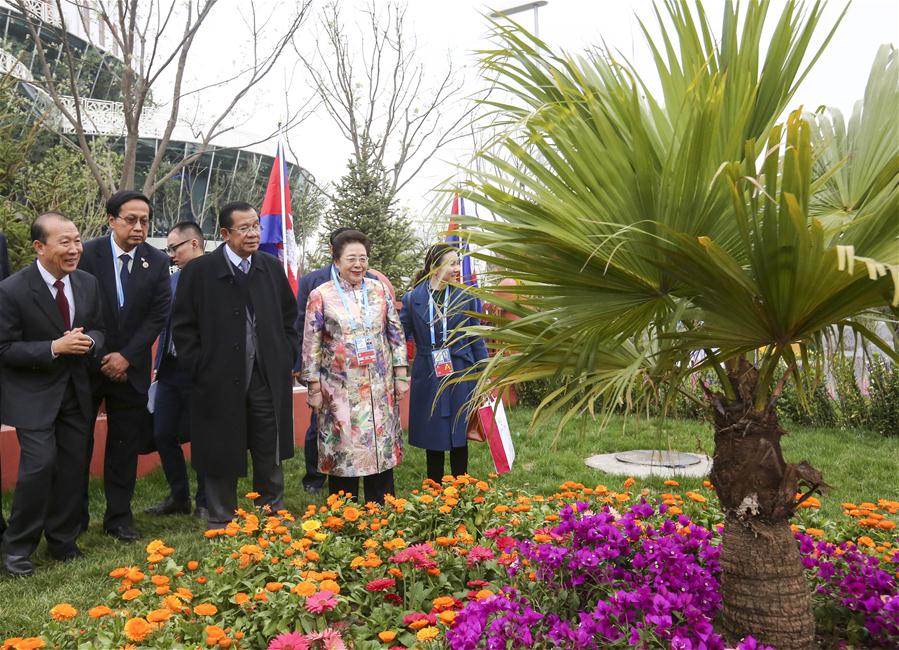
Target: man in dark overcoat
pixel 50 331
pixel 134 281
pixel 233 329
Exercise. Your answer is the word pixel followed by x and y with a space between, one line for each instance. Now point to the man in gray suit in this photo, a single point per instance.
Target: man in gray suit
pixel 50 331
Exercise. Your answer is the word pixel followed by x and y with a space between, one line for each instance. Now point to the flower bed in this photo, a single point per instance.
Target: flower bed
pixel 467 565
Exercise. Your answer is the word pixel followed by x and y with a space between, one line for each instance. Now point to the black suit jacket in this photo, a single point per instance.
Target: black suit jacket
pixel 132 330
pixel 32 381
pixel 4 258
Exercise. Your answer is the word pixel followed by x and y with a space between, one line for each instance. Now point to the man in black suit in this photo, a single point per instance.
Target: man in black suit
pixel 233 327
pixel 172 413
pixel 134 281
pixel 50 329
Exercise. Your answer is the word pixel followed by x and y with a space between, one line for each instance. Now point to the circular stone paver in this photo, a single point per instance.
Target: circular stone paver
pixel 648 462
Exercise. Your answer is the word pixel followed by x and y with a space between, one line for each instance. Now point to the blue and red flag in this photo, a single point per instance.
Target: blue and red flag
pixel 277 235
pixel 469 275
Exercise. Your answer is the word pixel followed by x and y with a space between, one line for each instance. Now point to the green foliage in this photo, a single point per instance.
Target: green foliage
pixel 852 405
pixel 817 410
pixel 363 202
pixel 883 392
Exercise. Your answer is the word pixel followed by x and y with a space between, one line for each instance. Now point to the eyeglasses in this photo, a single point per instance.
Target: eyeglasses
pixel 132 221
pixel 243 230
pixel 171 249
pixel 354 260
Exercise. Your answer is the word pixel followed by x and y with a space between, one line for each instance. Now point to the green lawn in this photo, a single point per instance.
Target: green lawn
pixel 859 465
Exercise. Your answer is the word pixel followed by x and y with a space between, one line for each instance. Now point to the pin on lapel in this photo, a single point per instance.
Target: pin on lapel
pixel 145 264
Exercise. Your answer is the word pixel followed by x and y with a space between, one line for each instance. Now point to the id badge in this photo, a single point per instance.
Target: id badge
pixel 443 365
pixel 365 350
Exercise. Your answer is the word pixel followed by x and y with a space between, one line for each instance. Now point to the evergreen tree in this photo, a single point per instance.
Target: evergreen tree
pixel 362 201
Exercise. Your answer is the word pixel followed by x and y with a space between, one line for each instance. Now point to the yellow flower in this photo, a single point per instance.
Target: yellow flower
pixel 427 633
pixel 63 612
pixel 311 524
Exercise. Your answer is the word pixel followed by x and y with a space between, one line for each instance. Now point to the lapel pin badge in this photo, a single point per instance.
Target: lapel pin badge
pixel 145 264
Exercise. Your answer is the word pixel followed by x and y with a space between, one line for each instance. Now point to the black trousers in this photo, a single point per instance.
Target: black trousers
pixel 313 478
pixel 170 419
pixel 48 491
pixel 377 486
pixel 268 476
pixel 126 419
pixel 436 462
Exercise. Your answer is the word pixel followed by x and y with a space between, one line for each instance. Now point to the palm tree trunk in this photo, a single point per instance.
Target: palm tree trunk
pixel 763 587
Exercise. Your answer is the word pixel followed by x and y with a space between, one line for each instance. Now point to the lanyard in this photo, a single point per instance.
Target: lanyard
pixel 431 314
pixel 346 304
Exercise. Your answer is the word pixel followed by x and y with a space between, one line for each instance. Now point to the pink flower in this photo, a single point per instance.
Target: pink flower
pixel 478 554
pixel 330 639
pixel 381 584
pixel 321 602
pixel 289 641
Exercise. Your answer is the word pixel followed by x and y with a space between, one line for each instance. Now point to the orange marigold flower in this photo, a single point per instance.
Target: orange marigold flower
pixel 698 498
pixel 185 593
pixel 206 609
pixel 159 615
pixel 672 483
pixel 329 585
pixel 447 617
pixel 304 588
pixel 482 594
pixel 629 481
pixel 418 624
pixel 99 611
pixel 63 612
pixel 193 565
pixel 159 580
pixel 240 598
pixel 137 629
pixel 427 633
pixel 707 483
pixel 119 572
pixel 155 545
pixel 814 532
pixel 173 603
pixel 351 514
pixel 443 602
pixel 28 643
pixel 387 636
pixel 864 540
pixel 131 594
pixel 134 575
pixel 252 496
pixel 274 586
pixel 886 524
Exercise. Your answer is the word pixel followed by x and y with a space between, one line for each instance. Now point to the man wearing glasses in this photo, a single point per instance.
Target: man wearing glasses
pixel 171 412
pixel 134 281
pixel 233 332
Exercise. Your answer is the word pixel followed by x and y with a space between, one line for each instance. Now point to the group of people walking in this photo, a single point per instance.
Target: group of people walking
pixel 78 325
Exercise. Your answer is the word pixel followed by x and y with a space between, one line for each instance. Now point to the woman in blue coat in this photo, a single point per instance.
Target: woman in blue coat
pixel 430 315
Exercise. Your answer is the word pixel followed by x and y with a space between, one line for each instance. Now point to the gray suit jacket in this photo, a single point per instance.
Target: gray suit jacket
pixel 32 381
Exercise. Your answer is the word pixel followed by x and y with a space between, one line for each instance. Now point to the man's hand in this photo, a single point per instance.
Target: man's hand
pixel 74 341
pixel 115 367
pixel 314 400
pixel 401 386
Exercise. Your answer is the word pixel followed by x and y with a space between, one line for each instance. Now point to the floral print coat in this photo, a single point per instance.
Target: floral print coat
pixel 359 431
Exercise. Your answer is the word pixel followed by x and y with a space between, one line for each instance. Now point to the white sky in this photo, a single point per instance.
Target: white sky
pixel 456 28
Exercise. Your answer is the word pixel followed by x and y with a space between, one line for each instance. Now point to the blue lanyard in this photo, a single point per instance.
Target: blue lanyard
pixel 431 314
pixel 346 304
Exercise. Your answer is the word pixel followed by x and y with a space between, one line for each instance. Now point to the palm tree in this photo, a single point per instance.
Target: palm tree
pixel 657 237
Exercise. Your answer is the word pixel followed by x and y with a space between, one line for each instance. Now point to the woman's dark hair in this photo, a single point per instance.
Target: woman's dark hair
pixel 350 237
pixel 432 258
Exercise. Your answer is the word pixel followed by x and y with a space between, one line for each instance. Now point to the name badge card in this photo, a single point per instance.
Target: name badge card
pixel 365 350
pixel 443 365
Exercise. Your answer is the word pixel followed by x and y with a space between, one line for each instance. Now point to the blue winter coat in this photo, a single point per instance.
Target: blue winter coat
pixel 437 427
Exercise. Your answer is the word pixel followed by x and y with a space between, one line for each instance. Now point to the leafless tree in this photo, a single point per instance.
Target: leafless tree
pixel 154 39
pixel 378 92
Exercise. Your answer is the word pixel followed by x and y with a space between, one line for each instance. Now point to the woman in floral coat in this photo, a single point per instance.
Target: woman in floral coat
pixel 354 363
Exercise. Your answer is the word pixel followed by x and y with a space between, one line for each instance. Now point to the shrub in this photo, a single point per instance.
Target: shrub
pixel 884 395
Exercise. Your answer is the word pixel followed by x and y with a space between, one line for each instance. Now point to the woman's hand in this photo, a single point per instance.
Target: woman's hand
pixel 401 386
pixel 314 395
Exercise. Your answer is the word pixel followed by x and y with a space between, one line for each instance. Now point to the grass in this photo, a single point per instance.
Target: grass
pixel 859 465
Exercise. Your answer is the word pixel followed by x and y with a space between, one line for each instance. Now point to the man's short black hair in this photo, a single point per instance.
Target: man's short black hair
pixel 225 214
pixel 38 232
pixel 120 198
pixel 189 228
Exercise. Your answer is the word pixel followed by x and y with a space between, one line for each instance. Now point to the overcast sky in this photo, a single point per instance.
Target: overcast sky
pixel 456 28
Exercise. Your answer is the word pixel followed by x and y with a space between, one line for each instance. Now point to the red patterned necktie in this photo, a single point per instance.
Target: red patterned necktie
pixel 62 304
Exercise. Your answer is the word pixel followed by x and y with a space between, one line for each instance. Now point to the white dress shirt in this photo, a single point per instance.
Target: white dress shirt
pixel 67 289
pixel 236 259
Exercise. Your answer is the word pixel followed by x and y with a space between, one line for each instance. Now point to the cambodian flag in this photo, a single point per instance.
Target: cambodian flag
pixel 277 235
pixel 469 275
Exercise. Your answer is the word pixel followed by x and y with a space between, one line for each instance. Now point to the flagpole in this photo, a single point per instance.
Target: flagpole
pixel 281 191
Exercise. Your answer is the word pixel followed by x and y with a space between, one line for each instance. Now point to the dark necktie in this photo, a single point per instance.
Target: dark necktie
pixel 241 274
pixel 62 304
pixel 124 275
